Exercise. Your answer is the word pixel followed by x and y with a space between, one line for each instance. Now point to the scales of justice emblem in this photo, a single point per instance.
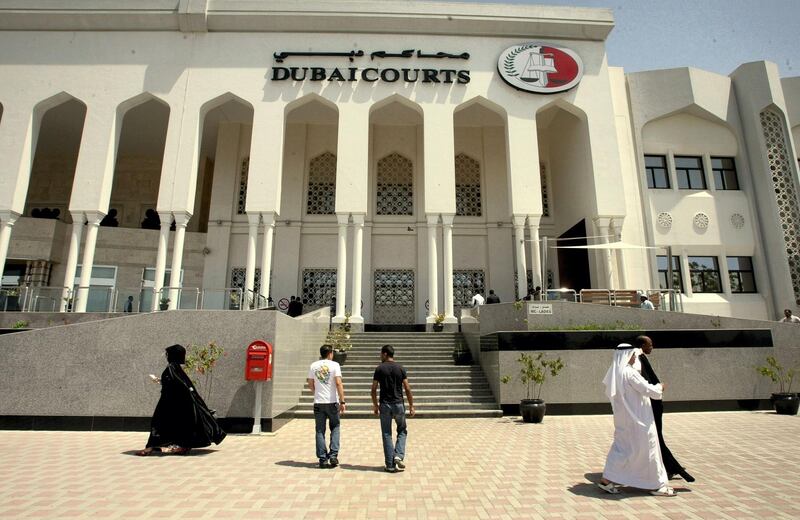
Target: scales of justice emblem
pixel 540 68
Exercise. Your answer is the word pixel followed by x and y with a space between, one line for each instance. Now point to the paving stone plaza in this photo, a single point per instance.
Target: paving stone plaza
pixel 746 465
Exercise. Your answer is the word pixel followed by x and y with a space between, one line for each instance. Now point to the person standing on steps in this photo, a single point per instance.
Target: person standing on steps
pixel 671 464
pixel 492 298
pixel 392 379
pixel 325 381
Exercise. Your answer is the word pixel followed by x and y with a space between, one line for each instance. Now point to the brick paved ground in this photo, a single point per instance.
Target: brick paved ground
pixel 746 466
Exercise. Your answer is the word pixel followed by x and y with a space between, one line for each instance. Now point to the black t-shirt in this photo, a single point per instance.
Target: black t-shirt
pixel 390 375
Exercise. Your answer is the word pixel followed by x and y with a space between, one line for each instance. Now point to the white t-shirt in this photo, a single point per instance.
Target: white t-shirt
pixel 324 373
pixel 477 300
pixel 792 319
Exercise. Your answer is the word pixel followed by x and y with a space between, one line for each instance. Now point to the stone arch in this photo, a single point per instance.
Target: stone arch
pixel 690 130
pixel 308 99
pixel 57 128
pixel 142 126
pixel 395 98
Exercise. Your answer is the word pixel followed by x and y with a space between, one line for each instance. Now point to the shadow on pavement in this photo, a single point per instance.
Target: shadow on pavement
pixel 590 489
pixel 314 465
pixel 192 453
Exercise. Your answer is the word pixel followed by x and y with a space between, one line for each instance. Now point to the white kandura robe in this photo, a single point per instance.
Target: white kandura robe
pixel 635 457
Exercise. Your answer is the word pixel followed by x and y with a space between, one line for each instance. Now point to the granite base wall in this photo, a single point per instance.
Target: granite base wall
pixel 100 369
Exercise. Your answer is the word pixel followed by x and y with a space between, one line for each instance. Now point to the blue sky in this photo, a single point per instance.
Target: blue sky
pixel 715 35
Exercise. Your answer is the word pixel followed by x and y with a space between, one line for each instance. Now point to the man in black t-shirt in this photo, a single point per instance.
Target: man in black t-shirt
pixel 392 378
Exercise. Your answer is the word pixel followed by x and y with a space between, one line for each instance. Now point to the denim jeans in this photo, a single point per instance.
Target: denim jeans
pixel 327 412
pixel 397 412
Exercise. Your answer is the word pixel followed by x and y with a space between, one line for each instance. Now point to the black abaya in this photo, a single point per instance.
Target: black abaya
pixel 671 464
pixel 181 416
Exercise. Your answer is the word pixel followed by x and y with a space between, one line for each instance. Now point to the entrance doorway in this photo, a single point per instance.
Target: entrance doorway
pixel 573 264
pixel 394 296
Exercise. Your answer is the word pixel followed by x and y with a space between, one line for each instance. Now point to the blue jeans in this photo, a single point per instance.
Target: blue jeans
pixel 327 412
pixel 397 412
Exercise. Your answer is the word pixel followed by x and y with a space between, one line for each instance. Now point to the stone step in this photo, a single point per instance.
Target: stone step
pixel 356 400
pixel 426 391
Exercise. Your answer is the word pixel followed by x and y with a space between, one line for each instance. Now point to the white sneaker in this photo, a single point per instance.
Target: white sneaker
pixel 399 464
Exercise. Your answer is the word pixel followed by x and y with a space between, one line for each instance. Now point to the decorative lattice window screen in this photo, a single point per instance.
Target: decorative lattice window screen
pixel 518 296
pixel 394 296
pixel 780 170
pixel 321 195
pixel 242 196
pixel 467 282
pixel 238 278
pixel 468 186
pixel 395 186
pixel 545 190
pixel 319 286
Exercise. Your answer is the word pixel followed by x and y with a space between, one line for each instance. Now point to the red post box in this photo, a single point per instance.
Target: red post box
pixel 258 366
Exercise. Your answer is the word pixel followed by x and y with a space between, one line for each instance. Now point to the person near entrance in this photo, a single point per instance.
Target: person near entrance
pixel 325 380
pixel 492 298
pixel 671 464
pixel 392 379
pixel 646 304
pixel 788 317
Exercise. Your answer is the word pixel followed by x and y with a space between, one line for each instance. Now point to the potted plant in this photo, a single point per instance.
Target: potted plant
pixel 346 322
pixel 339 339
pixel 533 372
pixel 462 355
pixel 235 301
pixel 784 401
pixel 69 302
pixel 163 303
pixel 438 322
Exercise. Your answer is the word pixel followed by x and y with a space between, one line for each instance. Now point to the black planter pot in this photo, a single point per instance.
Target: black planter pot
pixel 339 357
pixel 785 404
pixel 532 410
pixel 438 327
pixel 163 306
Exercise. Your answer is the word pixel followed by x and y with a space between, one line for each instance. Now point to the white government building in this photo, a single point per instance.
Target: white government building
pixel 398 156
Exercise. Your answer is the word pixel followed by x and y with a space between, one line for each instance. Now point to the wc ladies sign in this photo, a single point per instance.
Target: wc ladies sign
pixel 540 68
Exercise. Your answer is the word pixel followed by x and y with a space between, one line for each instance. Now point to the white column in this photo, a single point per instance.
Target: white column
pixel 519 247
pixel 447 239
pixel 266 253
pixel 602 224
pixel 161 257
pixel 433 289
pixel 341 266
pixel 250 264
pixel 72 257
pixel 358 244
pixel 536 257
pixel 93 219
pixel 181 219
pixel 7 221
pixel 619 253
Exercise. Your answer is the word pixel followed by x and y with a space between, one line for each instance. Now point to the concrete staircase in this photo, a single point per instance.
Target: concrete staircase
pixel 440 387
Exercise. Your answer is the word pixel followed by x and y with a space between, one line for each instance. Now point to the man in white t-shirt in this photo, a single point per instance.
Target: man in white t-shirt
pixel 788 317
pixel 325 380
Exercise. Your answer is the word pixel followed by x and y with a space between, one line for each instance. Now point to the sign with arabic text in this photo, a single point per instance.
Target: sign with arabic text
pixel 413 73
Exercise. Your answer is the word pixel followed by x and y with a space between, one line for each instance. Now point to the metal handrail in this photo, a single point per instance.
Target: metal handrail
pixel 562 294
pixel 227 298
pixel 136 292
pixel 50 296
pixel 110 290
pixel 179 292
pixel 589 294
pixel 255 300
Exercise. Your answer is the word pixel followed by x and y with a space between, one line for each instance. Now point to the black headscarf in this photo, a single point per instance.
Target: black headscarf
pixel 176 354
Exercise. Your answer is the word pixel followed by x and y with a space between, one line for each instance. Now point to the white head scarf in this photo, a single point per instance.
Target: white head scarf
pixel 613 379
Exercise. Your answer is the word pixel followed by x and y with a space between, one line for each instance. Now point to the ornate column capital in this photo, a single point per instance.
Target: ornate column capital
pixel 93 218
pixel 432 219
pixel 447 219
pixel 181 218
pixel 343 218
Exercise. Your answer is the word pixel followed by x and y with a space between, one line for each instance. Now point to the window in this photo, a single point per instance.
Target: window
pixel 395 186
pixel 466 283
pixel 319 286
pixel 663 272
pixel 690 173
pixel 468 186
pixel 321 195
pixel 704 273
pixel 656 168
pixel 740 272
pixel 724 170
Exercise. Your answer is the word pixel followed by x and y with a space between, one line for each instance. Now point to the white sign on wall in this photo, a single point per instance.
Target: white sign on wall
pixel 540 308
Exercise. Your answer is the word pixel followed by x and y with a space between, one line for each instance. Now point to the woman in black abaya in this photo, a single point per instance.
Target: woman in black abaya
pixel 182 420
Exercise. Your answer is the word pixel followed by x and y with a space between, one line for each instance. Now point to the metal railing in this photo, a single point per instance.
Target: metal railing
pixel 133 299
pixel 12 299
pixel 662 299
pixel 229 298
pixel 99 298
pixel 256 300
pixel 565 295
pixel 47 299
pixel 187 298
pixel 599 296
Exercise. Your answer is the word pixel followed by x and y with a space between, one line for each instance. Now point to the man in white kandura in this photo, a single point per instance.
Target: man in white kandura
pixel 635 457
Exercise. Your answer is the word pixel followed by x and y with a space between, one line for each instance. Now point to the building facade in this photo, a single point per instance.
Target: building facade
pixel 389 159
